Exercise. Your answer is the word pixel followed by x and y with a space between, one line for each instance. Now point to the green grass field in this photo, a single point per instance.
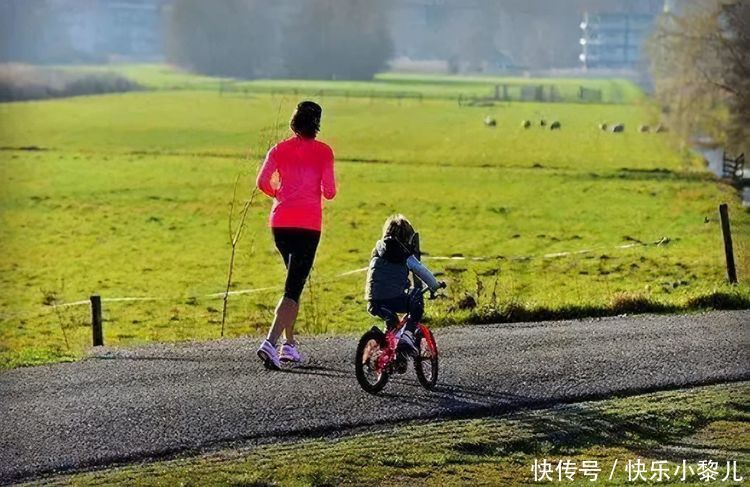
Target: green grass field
pixel 161 77
pixel 708 423
pixel 430 132
pixel 130 198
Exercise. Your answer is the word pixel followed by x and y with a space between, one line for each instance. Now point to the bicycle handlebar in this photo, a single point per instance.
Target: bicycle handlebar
pixel 433 294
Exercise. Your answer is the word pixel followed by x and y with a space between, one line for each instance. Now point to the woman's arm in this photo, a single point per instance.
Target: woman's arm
pixel 265 175
pixel 328 179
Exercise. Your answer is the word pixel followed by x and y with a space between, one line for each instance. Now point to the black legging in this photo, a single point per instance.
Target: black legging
pixel 386 309
pixel 297 247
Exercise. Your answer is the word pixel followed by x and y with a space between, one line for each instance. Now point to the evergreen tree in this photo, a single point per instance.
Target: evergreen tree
pixel 337 39
pixel 225 38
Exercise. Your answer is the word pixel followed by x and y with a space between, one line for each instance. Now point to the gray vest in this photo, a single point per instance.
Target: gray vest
pixel 388 274
pixel 385 279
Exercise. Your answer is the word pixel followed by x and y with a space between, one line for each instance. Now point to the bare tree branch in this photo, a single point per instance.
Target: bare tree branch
pixel 235 234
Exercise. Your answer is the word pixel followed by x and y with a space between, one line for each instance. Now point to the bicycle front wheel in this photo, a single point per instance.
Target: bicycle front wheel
pixel 426 364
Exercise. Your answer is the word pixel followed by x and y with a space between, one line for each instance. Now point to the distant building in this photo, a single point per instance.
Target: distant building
pixel 615 40
pixel 132 28
pixel 103 29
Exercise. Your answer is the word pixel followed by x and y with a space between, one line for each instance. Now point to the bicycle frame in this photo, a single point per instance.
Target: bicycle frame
pixel 377 353
pixel 388 354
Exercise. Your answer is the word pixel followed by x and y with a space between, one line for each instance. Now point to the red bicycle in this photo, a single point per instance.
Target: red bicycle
pixel 376 358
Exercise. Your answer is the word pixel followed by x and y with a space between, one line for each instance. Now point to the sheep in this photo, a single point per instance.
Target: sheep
pixel 619 128
pixel 489 121
pixel 644 129
pixel 555 125
pixel 603 127
pixel 526 124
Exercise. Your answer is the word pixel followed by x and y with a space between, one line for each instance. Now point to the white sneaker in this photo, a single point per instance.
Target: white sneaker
pixel 290 353
pixel 270 357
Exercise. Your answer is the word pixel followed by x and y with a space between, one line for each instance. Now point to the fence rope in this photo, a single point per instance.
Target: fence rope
pixel 657 243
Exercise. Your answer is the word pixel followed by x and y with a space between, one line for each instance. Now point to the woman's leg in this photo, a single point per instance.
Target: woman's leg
pixel 284 309
pixel 300 263
pixel 297 247
pixel 288 330
pixel 284 315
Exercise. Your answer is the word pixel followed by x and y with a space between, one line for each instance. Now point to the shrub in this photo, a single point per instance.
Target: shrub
pixel 20 82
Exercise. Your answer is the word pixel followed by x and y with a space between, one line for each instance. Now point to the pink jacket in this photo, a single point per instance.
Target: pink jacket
pixel 305 173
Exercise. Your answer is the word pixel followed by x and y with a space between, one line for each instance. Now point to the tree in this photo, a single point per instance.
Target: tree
pixel 226 38
pixel 736 70
pixel 700 60
pixel 334 39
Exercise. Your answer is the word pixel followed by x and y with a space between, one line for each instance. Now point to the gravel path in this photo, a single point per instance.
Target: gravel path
pixel 128 404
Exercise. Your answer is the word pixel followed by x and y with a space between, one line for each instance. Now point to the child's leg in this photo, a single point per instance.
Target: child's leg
pixel 415 308
pixel 407 344
pixel 387 309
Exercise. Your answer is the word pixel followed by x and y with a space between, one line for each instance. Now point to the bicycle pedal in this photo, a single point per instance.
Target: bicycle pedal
pixel 401 366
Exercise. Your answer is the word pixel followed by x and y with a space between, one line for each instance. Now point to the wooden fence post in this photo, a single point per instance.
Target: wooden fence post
pixel 728 251
pixel 96 320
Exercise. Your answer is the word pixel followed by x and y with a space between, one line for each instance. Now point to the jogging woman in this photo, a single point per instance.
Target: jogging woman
pixel 297 173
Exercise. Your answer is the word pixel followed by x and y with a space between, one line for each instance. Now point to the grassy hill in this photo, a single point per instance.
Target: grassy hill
pixel 385 85
pixel 130 196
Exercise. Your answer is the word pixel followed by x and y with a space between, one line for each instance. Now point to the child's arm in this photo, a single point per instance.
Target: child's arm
pixel 423 273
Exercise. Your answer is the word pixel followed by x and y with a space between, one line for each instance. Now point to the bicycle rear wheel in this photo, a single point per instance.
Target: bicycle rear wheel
pixel 426 364
pixel 370 347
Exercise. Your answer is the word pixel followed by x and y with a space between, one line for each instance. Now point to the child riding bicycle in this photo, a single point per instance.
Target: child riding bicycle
pixel 388 290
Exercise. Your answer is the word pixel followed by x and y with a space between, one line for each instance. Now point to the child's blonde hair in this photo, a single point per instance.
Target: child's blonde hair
pixel 398 227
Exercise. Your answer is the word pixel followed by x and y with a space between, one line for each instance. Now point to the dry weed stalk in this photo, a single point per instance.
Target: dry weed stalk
pixel 235 234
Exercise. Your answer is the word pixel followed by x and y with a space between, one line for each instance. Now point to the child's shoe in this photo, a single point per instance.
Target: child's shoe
pixel 407 345
pixel 270 357
pixel 290 353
